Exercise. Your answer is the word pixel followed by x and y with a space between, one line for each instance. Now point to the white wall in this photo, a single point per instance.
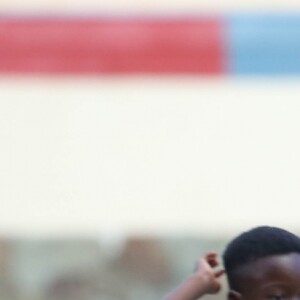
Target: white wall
pixel 141 155
pixel 144 6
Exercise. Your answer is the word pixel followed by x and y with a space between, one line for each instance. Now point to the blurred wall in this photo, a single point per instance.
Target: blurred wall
pixel 166 6
pixel 88 155
pixel 111 186
pixel 148 155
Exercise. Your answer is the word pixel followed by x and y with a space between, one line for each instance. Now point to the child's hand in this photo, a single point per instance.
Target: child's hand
pixel 205 272
pixel 205 280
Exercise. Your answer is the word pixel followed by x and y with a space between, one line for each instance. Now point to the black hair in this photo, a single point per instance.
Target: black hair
pixel 258 243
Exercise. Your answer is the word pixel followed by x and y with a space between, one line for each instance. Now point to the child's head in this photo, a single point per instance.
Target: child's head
pixel 263 263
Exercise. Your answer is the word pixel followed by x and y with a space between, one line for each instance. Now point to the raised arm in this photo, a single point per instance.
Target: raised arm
pixel 205 280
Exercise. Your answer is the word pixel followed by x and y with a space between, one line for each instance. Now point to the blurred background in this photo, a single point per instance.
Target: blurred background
pixel 137 135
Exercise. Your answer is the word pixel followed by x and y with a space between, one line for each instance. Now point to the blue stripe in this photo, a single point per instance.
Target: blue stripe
pixel 264 44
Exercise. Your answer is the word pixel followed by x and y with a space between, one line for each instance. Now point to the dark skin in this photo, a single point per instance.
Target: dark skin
pixel 270 278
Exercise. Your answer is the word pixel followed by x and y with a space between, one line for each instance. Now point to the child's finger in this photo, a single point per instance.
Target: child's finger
pixel 211 257
pixel 219 273
pixel 213 263
pixel 211 254
pixel 212 260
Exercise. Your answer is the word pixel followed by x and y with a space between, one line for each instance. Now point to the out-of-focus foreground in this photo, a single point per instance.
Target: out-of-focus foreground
pixel 86 269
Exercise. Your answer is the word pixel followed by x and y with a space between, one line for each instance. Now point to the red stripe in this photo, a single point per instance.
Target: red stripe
pixel 111 46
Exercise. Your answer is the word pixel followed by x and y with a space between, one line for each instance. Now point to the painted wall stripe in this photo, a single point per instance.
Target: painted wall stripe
pixel 111 46
pixel 238 44
pixel 264 44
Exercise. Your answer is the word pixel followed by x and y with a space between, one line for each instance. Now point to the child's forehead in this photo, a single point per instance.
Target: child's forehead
pixel 274 268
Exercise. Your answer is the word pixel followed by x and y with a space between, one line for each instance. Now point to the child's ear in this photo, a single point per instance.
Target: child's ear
pixel 234 295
